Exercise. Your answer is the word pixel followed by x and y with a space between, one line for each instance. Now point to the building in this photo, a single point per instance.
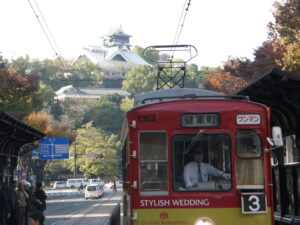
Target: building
pixel 113 57
pixel 71 93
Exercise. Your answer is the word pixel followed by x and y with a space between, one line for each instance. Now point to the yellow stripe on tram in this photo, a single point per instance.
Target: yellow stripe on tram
pixel 227 216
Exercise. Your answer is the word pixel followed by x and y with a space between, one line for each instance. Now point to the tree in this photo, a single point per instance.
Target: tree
pixel 285 34
pixel 19 93
pixel 224 82
pixel 90 139
pixel 149 56
pixel 194 77
pixel 139 80
pixel 43 123
pixel 106 113
pixel 126 104
pixel 85 74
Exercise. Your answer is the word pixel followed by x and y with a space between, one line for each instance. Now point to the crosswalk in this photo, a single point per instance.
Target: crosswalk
pixel 62 194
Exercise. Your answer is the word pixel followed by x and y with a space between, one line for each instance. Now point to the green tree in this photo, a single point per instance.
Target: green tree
pixel 85 74
pixel 139 80
pixel 106 113
pixel 90 139
pixel 149 56
pixel 126 104
pixel 194 77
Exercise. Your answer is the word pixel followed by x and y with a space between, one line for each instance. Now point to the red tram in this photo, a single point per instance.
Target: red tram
pixel 160 138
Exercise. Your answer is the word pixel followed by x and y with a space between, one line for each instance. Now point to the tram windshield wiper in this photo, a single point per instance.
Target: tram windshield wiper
pixel 195 139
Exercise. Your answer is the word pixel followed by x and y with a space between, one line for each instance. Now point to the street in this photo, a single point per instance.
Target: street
pixel 68 206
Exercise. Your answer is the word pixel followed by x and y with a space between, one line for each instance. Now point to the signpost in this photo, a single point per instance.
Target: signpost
pixel 34 154
pixel 54 148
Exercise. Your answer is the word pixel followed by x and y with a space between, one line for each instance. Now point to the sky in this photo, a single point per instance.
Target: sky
pixel 217 28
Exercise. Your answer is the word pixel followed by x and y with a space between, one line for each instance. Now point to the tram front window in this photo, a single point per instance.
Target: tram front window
pixel 203 164
pixel 153 163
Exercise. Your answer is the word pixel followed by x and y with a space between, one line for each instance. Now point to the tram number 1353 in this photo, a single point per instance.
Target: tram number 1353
pixel 253 203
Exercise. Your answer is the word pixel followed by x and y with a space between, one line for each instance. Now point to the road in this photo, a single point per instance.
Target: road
pixel 66 207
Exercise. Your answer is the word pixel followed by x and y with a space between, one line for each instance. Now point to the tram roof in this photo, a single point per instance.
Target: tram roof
pixel 173 95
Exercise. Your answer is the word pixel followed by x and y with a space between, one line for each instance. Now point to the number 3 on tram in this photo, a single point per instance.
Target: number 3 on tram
pixel 195 157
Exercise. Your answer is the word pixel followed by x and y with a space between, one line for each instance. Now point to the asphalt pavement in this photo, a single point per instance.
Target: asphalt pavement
pixel 66 207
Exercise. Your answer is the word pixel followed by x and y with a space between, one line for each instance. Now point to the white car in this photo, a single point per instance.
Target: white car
pixel 93 191
pixel 59 184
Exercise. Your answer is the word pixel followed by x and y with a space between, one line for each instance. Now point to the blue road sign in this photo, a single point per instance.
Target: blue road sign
pixel 18 173
pixel 34 154
pixel 54 148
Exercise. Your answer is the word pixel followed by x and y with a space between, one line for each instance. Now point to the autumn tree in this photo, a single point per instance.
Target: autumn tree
pixel 19 93
pixel 285 33
pixel 43 123
pixel 224 82
pixel 281 51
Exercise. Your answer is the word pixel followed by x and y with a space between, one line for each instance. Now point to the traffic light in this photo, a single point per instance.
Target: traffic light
pixel 101 155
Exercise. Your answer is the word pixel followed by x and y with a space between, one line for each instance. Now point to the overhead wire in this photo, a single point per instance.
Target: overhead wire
pixel 52 43
pixel 185 9
pixel 178 26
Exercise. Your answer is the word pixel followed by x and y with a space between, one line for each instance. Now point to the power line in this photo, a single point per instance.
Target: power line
pixel 186 7
pixel 54 44
pixel 176 33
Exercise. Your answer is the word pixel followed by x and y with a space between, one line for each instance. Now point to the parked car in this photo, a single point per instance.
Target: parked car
pixel 59 184
pixel 93 191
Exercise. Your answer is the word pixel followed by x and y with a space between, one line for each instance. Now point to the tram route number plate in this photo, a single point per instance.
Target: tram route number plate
pixel 253 203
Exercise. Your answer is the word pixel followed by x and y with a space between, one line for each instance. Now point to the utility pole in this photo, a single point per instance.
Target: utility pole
pixel 75 155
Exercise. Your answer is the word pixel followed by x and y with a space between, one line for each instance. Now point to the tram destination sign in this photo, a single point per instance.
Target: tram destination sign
pixel 200 120
pixel 54 148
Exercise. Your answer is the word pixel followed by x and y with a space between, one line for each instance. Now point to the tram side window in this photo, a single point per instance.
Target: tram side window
pixel 249 169
pixel 203 164
pixel 248 144
pixel 153 163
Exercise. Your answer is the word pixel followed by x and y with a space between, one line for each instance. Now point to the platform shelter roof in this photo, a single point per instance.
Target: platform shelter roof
pixel 16 138
pixel 281 92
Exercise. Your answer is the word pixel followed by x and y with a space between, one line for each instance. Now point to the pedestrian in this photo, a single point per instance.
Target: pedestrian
pixel 4 208
pixel 27 188
pixel 34 202
pixel 36 218
pixel 41 196
pixel 12 203
pixel 80 188
pixel 114 186
pixel 21 197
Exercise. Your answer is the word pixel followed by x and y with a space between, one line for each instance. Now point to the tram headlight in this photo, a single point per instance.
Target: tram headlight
pixel 204 221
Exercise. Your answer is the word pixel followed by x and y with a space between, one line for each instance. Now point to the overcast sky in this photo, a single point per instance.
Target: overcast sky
pixel 217 28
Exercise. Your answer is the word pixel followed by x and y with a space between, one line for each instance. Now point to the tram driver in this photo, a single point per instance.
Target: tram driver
pixel 197 172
